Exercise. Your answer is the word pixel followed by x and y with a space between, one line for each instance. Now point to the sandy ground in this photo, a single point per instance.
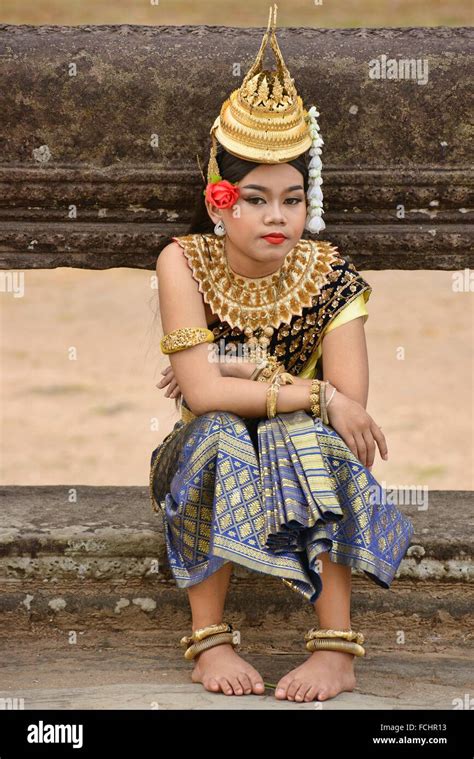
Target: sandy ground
pixel 320 13
pixel 81 358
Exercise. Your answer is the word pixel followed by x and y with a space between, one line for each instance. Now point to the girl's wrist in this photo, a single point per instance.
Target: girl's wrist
pixel 333 396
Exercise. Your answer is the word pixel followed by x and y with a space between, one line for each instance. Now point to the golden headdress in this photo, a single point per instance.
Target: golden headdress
pixel 264 121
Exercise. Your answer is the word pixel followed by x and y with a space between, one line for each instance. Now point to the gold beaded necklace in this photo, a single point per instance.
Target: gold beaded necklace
pixel 258 339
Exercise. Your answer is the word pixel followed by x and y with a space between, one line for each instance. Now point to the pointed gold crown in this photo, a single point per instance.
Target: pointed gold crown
pixel 264 120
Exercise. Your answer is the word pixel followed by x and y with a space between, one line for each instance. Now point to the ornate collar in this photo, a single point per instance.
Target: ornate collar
pixel 247 302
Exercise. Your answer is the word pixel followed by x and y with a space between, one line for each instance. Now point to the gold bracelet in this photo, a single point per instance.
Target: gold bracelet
pixel 332 396
pixel 286 378
pixel 322 397
pixel 268 371
pixel 272 395
pixel 272 392
pixel 314 395
pixel 257 370
pixel 277 372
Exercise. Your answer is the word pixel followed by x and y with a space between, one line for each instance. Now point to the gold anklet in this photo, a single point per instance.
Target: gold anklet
pixel 206 637
pixel 335 640
pixel 327 632
pixel 335 645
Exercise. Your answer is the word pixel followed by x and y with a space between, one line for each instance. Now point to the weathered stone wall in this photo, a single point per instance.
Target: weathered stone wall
pixel 101 126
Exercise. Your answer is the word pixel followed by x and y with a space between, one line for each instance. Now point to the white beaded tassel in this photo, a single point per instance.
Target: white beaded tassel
pixel 314 221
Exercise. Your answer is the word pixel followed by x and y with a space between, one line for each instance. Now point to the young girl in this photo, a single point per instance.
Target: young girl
pixel 269 465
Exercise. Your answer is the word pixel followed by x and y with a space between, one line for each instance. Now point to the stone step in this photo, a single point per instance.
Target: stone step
pixel 73 553
pixel 148 671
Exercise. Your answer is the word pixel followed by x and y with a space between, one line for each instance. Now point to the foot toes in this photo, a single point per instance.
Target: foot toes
pixel 301 692
pixel 282 687
pixel 293 689
pixel 236 685
pixel 213 684
pixel 310 694
pixel 226 686
pixel 245 682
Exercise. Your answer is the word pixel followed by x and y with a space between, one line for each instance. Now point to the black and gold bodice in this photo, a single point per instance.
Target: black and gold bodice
pixel 318 283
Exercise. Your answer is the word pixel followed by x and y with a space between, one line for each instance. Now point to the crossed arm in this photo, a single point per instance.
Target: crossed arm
pixel 199 379
pixel 207 385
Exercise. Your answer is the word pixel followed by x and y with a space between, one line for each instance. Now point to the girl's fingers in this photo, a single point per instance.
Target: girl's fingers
pixel 380 440
pixel 167 376
pixel 361 447
pixel 350 442
pixel 369 441
pixel 173 386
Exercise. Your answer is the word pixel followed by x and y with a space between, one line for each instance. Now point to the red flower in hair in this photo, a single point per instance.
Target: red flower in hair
pixel 222 194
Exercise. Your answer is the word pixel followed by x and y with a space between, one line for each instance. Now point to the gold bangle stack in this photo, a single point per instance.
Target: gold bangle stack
pixel 272 371
pixel 279 378
pixel 317 395
pixel 347 641
pixel 207 637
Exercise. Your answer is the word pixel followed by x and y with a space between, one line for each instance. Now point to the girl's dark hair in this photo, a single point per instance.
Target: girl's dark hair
pixel 233 169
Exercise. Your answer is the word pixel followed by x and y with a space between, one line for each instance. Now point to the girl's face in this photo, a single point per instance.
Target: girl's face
pixel 272 199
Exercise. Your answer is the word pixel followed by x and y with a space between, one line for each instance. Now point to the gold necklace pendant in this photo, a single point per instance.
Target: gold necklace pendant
pixel 259 339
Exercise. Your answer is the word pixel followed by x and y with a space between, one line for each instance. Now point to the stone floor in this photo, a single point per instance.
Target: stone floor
pixel 118 670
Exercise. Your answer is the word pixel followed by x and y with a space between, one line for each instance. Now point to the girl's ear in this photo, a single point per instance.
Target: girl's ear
pixel 212 210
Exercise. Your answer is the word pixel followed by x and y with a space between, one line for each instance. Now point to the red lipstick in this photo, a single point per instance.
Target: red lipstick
pixel 275 239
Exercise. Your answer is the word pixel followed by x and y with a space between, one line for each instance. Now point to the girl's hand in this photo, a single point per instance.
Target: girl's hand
pixel 356 427
pixel 169 379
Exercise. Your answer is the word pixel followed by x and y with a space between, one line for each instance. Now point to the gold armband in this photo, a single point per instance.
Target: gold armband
pixel 185 337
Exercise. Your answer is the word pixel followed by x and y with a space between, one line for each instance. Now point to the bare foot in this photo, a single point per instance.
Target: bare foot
pixel 220 668
pixel 323 675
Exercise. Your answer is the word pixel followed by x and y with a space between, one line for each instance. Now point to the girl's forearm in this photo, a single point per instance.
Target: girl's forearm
pixel 248 398
pixel 245 369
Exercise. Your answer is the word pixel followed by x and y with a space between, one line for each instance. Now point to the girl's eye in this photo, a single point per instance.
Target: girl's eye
pixel 250 200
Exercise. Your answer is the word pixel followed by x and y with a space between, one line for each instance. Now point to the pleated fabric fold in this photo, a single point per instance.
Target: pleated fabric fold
pixel 275 509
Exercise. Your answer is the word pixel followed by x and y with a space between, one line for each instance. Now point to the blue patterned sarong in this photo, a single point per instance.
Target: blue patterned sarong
pixel 273 502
